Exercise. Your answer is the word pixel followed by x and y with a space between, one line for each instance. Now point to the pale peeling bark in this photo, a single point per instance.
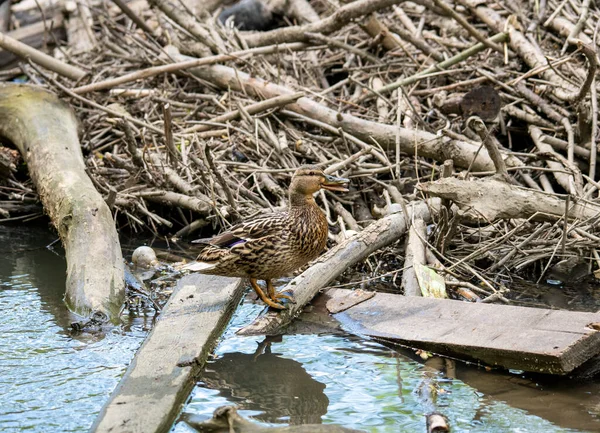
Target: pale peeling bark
pixel 44 129
pixel 488 200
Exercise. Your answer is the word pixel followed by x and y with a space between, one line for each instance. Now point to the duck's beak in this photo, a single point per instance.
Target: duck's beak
pixel 333 183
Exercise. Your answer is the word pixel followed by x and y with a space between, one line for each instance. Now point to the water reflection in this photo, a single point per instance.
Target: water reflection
pixel 364 385
pixel 567 403
pixel 278 387
pixel 25 257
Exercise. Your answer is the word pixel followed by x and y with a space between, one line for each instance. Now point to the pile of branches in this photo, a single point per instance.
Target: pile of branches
pixel 190 123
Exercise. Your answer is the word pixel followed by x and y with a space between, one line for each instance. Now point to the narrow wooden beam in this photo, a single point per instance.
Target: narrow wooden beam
pixel 521 338
pixel 161 376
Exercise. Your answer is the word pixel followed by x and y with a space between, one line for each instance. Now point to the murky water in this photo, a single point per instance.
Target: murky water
pixel 53 381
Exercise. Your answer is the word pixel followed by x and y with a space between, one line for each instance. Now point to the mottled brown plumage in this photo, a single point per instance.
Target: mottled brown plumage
pixel 275 244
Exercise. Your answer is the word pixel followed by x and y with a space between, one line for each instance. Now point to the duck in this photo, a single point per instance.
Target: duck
pixel 273 245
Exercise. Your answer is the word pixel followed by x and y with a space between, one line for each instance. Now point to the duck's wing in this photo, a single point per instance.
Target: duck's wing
pixel 247 231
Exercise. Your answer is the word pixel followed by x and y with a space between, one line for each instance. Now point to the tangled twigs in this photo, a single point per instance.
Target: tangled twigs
pixel 180 66
pixel 479 127
pixel 27 53
pixel 363 96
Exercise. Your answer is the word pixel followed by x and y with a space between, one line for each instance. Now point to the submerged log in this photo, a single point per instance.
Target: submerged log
pixel 161 376
pixel 226 419
pixel 332 264
pixel 529 339
pixel 44 129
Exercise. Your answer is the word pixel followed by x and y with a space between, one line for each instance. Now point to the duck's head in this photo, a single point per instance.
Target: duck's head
pixel 309 179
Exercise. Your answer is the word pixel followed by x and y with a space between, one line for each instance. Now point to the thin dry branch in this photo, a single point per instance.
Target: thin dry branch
pixel 334 22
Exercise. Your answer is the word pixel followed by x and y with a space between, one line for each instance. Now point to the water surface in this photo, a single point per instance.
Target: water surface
pixel 54 381
pixel 50 380
pixel 333 377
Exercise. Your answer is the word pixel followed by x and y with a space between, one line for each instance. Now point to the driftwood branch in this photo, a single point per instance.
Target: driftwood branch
pixel 334 22
pixel 415 255
pixel 190 62
pixel 490 200
pixel 332 264
pixel 26 52
pixel 44 129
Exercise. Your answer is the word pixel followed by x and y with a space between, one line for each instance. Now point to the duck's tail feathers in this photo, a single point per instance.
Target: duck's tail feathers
pixel 198 266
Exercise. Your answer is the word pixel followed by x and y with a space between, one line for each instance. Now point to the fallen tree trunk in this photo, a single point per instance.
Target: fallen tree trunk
pixel 412 141
pixel 332 264
pixel 44 129
pixel 489 199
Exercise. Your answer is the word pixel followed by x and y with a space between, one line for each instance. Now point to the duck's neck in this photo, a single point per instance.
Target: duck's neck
pixel 299 202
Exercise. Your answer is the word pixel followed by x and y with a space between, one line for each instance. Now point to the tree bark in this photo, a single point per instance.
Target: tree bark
pixel 488 200
pixel 44 129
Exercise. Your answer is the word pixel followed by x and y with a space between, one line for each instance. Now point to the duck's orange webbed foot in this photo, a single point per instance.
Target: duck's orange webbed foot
pixel 269 301
pixel 276 296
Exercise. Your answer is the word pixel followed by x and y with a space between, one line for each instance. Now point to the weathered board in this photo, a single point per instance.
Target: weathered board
pixel 529 339
pixel 161 376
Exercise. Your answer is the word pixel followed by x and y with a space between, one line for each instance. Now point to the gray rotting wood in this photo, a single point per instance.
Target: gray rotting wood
pixel 44 130
pixel 489 199
pixel 529 339
pixel 161 376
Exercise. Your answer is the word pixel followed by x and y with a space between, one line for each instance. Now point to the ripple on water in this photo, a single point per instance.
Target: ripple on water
pixel 50 381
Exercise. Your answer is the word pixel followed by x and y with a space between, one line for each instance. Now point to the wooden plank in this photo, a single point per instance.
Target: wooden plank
pixel 161 376
pixel 530 339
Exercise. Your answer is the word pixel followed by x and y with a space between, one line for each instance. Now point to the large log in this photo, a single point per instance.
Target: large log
pixel 44 129
pixel 489 199
pixel 530 339
pixel 161 376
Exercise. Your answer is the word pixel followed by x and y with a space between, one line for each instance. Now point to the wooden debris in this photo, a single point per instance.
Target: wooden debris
pixel 529 339
pixel 415 256
pixel 44 129
pixel 26 52
pixel 339 301
pixel 33 35
pixel 226 419
pixel 79 26
pixel 488 200
pixel 161 376
pixel 437 423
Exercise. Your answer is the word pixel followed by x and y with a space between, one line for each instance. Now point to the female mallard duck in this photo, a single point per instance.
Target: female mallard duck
pixel 275 244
